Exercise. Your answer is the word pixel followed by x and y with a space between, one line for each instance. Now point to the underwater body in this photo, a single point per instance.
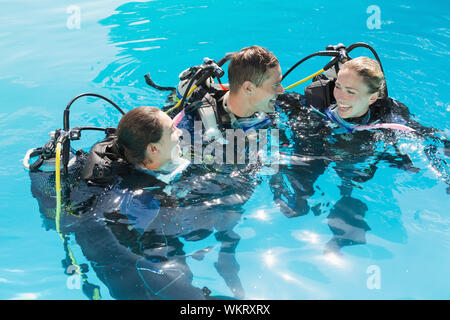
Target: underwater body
pixel 131 230
pixel 311 230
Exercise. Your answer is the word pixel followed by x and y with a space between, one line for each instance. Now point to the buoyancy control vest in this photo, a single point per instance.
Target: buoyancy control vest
pixel 106 165
pixel 105 161
pixel 216 117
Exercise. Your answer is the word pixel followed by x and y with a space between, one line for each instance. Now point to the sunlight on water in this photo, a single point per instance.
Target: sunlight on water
pixel 316 228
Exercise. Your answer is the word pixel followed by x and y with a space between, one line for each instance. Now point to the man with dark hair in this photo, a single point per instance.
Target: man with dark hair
pixel 148 137
pixel 254 76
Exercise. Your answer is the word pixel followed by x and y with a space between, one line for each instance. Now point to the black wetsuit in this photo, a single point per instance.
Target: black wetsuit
pixel 313 145
pixel 129 224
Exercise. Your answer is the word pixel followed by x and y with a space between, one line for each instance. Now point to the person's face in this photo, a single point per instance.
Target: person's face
pixel 263 97
pixel 352 94
pixel 168 147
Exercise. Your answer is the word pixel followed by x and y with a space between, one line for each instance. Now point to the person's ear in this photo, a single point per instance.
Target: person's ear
pixel 153 149
pixel 373 98
pixel 248 88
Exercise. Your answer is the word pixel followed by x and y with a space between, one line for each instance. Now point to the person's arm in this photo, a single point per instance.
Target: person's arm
pixel 431 138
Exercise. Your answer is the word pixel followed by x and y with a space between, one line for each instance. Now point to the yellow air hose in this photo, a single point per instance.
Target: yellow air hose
pixel 287 88
pixel 179 101
pixel 96 293
pixel 58 185
pixel 59 204
pixel 305 79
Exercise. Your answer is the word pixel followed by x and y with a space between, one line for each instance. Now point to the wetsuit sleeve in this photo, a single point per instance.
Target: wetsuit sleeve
pixel 399 113
pixel 121 259
pixel 428 136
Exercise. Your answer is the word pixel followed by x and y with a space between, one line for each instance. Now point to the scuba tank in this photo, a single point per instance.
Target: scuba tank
pixel 195 84
pixel 46 156
pixel 206 113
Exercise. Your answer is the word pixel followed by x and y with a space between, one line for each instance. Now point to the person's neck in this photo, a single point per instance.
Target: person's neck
pixel 238 104
pixel 359 119
pixel 152 166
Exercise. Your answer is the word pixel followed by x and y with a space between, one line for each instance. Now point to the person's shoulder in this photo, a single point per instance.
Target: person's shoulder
pixel 390 110
pixel 292 103
pixel 291 100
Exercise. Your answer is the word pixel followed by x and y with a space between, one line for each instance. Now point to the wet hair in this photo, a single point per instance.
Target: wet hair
pixel 136 130
pixel 371 73
pixel 250 64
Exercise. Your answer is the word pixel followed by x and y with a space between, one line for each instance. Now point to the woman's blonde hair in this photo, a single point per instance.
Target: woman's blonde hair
pixel 371 73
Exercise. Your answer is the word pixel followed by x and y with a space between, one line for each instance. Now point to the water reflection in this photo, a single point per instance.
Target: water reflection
pixel 139 254
pixel 346 222
pixel 354 158
pixel 133 236
pixel 145 33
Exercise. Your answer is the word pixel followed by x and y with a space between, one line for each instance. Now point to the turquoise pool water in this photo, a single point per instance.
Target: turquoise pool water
pixel 47 57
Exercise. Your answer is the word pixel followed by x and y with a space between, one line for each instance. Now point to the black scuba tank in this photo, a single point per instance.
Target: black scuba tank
pixel 319 93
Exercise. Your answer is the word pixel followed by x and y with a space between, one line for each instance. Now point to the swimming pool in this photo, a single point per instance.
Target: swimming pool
pixel 49 55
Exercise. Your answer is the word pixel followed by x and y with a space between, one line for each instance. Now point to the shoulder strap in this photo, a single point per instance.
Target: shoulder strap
pixel 212 112
pixel 223 119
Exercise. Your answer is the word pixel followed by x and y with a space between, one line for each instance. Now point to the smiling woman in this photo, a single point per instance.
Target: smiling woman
pixel 359 84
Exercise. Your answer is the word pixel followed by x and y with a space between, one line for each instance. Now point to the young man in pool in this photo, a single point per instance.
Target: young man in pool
pixel 254 76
